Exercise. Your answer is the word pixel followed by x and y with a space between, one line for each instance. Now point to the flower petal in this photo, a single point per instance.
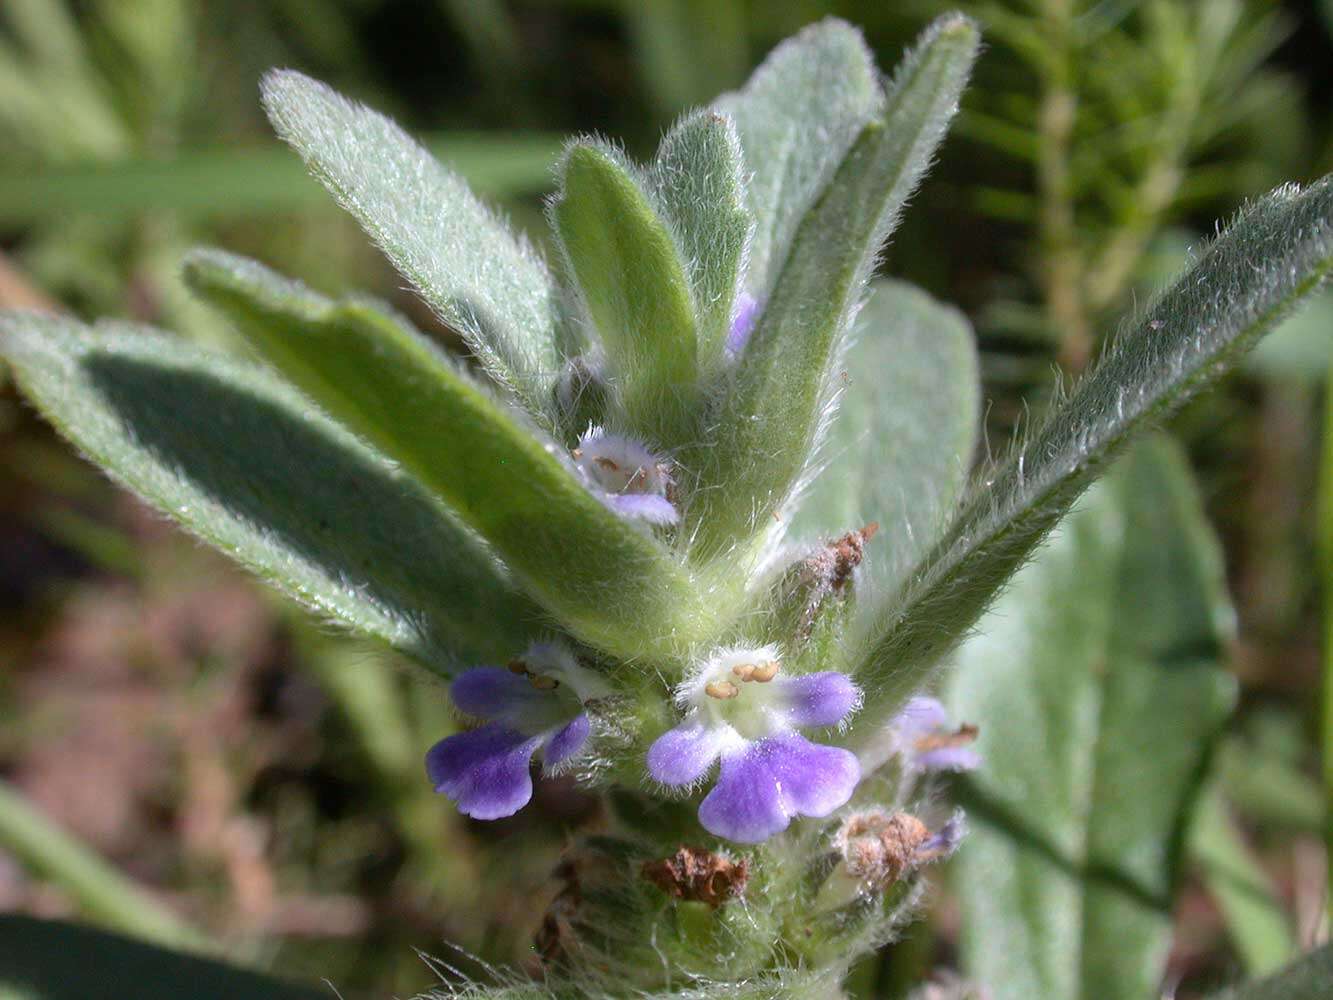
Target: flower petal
pixel 944 841
pixel 682 756
pixel 948 759
pixel 644 506
pixel 485 771
pixel 921 716
pixel 492 692
pixel 567 741
pixel 742 323
pixel 813 779
pixel 746 804
pixel 822 699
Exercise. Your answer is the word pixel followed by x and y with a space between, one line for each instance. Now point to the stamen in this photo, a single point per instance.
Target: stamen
pixel 517 666
pixel 765 672
pixel 544 683
pixel 745 671
pixel 961 737
pixel 722 690
pixel 605 463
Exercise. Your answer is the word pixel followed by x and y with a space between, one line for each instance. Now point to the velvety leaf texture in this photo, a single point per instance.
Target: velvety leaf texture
pixel 899 448
pixel 1097 684
pixel 698 174
pixel 240 459
pixel 501 475
pixel 1272 256
pixel 796 118
pixel 634 287
pixel 483 281
pixel 768 424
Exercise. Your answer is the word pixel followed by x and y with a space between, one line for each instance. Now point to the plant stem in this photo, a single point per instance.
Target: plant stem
pixel 1062 258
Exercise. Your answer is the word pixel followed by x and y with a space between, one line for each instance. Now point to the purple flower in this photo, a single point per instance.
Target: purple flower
pixel 535 703
pixel 927 741
pixel 629 478
pixel 742 323
pixel 739 709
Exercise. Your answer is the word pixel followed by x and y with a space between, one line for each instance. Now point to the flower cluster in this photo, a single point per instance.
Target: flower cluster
pixel 737 708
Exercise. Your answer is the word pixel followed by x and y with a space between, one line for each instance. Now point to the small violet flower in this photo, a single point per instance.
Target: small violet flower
pixel 742 323
pixel 629 478
pixel 739 709
pixel 927 741
pixel 537 702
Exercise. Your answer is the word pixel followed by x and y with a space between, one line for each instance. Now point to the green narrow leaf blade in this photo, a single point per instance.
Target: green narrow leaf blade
pixel 634 286
pixel 493 288
pixel 501 477
pixel 239 459
pixel 1098 667
pixel 1277 252
pixel 52 960
pixel 98 888
pixel 698 175
pixel 769 421
pixel 901 444
pixel 796 118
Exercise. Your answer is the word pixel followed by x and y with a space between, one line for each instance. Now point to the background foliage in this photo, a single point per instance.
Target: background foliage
pixel 188 760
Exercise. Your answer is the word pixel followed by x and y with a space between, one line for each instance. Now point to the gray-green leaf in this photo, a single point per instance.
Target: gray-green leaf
pixel 699 178
pixel 1277 252
pixel 1096 683
pixel 240 459
pixel 900 446
pixel 796 117
pixel 490 286
pixel 634 286
pixel 605 578
pixel 768 423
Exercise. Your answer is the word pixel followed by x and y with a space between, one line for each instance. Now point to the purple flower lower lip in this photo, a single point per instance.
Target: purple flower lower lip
pixel 762 787
pixel 743 713
pixel 534 705
pixel 484 770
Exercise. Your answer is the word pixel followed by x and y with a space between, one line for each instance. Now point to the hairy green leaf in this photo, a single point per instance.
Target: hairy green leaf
pixel 797 117
pixel 238 458
pixel 1308 978
pixel 900 446
pixel 699 178
pixel 493 288
pixel 1276 253
pixel 51 960
pixel 634 285
pixel 768 422
pixel 1097 668
pixel 604 577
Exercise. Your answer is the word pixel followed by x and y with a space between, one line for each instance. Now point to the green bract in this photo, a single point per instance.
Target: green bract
pixel 662 456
